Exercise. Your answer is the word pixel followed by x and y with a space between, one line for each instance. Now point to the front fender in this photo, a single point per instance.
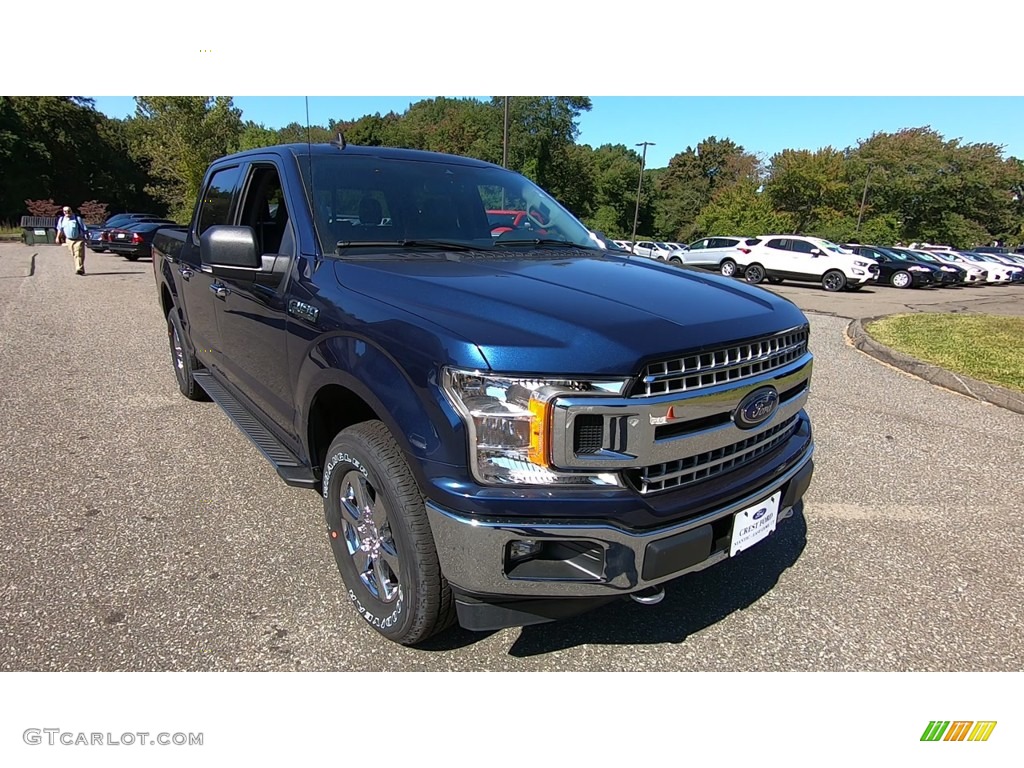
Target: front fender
pixel 406 398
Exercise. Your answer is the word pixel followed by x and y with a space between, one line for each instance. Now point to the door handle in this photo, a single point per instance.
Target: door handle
pixel 186 273
pixel 220 291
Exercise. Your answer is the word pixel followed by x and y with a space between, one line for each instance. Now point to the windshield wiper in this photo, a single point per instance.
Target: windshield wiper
pixel 539 241
pixel 446 245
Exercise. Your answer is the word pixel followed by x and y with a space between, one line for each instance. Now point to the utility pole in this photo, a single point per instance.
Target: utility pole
pixel 863 198
pixel 639 186
pixel 504 142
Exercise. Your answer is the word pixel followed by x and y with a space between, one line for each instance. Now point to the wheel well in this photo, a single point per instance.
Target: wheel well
pixel 165 300
pixel 333 409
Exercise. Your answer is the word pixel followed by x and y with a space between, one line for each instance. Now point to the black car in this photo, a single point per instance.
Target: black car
pixel 95 237
pixel 898 270
pixel 952 275
pixel 134 240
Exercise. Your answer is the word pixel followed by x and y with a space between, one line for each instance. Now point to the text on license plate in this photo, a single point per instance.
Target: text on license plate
pixel 754 523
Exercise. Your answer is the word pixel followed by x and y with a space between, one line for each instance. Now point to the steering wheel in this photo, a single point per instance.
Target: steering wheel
pixel 534 212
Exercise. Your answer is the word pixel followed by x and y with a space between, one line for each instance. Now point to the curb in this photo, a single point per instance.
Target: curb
pixel 965 385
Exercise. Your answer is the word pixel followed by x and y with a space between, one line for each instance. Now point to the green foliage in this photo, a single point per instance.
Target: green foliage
pixel 739 209
pixel 61 148
pixel 180 136
pixel 810 187
pixel 692 179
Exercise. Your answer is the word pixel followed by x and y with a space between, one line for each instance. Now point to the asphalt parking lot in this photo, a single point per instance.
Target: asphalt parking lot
pixel 141 531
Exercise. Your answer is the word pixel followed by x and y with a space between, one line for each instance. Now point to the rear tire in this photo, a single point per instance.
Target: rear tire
pixel 131 258
pixel 901 279
pixel 754 274
pixel 833 281
pixel 727 268
pixel 183 360
pixel 381 538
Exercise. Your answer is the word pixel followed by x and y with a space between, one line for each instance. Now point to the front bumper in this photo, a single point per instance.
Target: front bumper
pixel 596 558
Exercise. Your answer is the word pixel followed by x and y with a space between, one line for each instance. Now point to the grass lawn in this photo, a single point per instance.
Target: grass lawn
pixel 984 347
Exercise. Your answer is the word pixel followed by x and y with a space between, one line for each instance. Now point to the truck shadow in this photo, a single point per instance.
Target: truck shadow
pixel 692 603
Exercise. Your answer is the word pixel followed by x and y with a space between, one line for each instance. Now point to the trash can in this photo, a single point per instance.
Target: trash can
pixel 39 230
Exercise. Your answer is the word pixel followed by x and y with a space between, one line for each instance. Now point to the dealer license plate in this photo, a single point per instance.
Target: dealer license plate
pixel 120 235
pixel 754 523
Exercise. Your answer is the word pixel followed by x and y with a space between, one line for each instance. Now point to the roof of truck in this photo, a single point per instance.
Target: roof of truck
pixel 392 153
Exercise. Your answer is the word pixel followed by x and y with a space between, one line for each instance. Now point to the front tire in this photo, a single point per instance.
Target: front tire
pixel 754 274
pixel 833 281
pixel 381 538
pixel 775 280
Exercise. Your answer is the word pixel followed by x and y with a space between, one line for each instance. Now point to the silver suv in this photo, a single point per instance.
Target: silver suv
pixel 717 253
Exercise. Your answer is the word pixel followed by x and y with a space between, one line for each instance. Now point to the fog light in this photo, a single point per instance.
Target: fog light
pixel 522 549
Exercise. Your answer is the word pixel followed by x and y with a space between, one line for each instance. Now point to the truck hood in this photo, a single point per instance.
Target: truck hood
pixel 579 312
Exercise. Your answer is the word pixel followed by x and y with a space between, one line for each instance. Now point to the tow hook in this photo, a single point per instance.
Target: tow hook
pixel 649 596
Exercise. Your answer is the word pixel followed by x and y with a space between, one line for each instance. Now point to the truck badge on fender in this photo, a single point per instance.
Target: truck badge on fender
pixel 303 311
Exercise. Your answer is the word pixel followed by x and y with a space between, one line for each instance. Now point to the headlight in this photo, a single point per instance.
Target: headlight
pixel 508 421
pixel 862 264
pixel 857 271
pixel 917 269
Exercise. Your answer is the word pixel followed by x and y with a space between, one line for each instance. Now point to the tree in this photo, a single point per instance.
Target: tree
pixel 60 147
pixel 180 136
pixel 693 177
pixel 739 209
pixel 941 190
pixel 810 186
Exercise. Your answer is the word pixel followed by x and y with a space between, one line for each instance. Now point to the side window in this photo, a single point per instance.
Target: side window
pixel 778 244
pixel 802 246
pixel 216 203
pixel 700 245
pixel 264 209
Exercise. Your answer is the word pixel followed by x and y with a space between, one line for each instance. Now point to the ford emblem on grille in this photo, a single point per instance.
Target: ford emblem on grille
pixel 756 408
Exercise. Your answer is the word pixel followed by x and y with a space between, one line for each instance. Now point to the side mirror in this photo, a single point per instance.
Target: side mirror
pixel 226 246
pixel 815 252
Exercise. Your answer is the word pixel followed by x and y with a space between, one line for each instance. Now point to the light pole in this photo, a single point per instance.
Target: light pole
pixel 504 141
pixel 863 198
pixel 639 186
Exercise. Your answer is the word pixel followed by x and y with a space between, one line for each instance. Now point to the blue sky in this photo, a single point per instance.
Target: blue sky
pixel 761 124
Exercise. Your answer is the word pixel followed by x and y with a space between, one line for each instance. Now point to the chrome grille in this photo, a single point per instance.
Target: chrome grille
pixel 724 365
pixel 693 469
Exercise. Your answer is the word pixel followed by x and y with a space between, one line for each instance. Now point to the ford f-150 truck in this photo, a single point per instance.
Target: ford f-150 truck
pixel 505 429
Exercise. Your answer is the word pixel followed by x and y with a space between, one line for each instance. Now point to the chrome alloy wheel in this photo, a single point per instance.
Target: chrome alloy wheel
pixel 368 537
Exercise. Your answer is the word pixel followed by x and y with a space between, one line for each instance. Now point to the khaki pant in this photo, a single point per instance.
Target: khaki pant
pixel 77 248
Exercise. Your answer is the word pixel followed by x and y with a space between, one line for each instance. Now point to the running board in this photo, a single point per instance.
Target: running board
pixel 287 464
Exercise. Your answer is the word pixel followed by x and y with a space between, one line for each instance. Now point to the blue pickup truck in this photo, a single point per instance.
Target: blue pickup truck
pixel 505 428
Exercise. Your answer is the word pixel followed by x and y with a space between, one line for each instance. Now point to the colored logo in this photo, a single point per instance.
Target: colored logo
pixel 760 513
pixel 958 730
pixel 755 408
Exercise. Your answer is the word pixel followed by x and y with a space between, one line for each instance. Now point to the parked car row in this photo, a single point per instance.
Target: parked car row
pixel 775 258
pixel 662 251
pixel 126 234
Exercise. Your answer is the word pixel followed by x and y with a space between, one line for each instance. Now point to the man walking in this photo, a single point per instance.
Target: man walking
pixel 71 230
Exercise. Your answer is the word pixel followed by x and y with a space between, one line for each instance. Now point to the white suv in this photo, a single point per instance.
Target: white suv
pixel 806 259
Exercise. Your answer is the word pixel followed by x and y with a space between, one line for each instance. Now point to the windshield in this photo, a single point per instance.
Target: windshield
pixel 380 200
pixel 829 245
